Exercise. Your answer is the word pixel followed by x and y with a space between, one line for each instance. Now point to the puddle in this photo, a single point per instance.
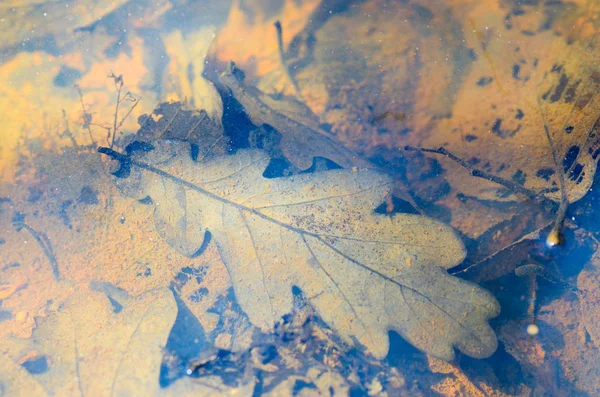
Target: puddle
pixel 299 198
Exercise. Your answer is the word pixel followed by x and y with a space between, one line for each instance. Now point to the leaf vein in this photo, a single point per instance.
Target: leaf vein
pixel 323 198
pixel 262 270
pixel 336 285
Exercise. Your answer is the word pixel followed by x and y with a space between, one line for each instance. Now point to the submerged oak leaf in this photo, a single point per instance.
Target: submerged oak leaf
pixel 92 350
pixel 102 344
pixel 364 273
pixel 302 138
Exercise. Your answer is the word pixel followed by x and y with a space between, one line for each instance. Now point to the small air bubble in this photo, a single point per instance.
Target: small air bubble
pixel 533 329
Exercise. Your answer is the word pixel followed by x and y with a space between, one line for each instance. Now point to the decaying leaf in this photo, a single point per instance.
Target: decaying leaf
pixel 322 383
pixel 47 24
pixel 90 347
pixel 588 282
pixel 301 136
pixel 510 88
pixel 573 118
pixel 91 350
pixel 173 120
pixel 365 273
pixel 536 116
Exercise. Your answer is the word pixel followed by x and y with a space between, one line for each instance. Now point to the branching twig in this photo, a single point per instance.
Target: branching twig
pixel 87 117
pixel 135 101
pixel 118 80
pixel 555 236
pixel 127 97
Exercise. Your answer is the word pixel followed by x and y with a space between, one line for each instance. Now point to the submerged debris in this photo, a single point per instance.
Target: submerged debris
pixel 42 240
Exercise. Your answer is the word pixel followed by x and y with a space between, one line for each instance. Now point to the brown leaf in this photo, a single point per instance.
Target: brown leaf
pixel 482 80
pixel 588 282
pixel 365 273
pixel 92 349
pixel 16 381
pixel 301 136
pixel 33 20
pixel 324 383
pixel 174 120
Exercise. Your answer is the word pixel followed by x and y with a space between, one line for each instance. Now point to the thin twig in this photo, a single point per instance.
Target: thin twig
pixel 284 65
pixel 87 117
pixel 515 187
pixel 118 80
pixel 531 272
pixel 67 132
pixel 119 85
pixel 43 242
pixel 135 103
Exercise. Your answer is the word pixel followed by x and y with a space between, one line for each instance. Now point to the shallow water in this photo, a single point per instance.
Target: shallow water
pixel 288 224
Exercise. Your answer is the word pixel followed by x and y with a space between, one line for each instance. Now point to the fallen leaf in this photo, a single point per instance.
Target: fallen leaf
pixel 47 24
pixel 588 282
pixel 318 383
pixel 97 346
pixel 7 290
pixel 174 120
pixel 92 350
pixel 543 120
pixel 301 136
pixel 484 80
pixel 16 381
pixel 365 273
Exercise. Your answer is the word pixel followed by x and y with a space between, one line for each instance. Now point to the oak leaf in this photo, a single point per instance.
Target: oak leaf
pixel 589 298
pixel 96 346
pixel 302 138
pixel 365 273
